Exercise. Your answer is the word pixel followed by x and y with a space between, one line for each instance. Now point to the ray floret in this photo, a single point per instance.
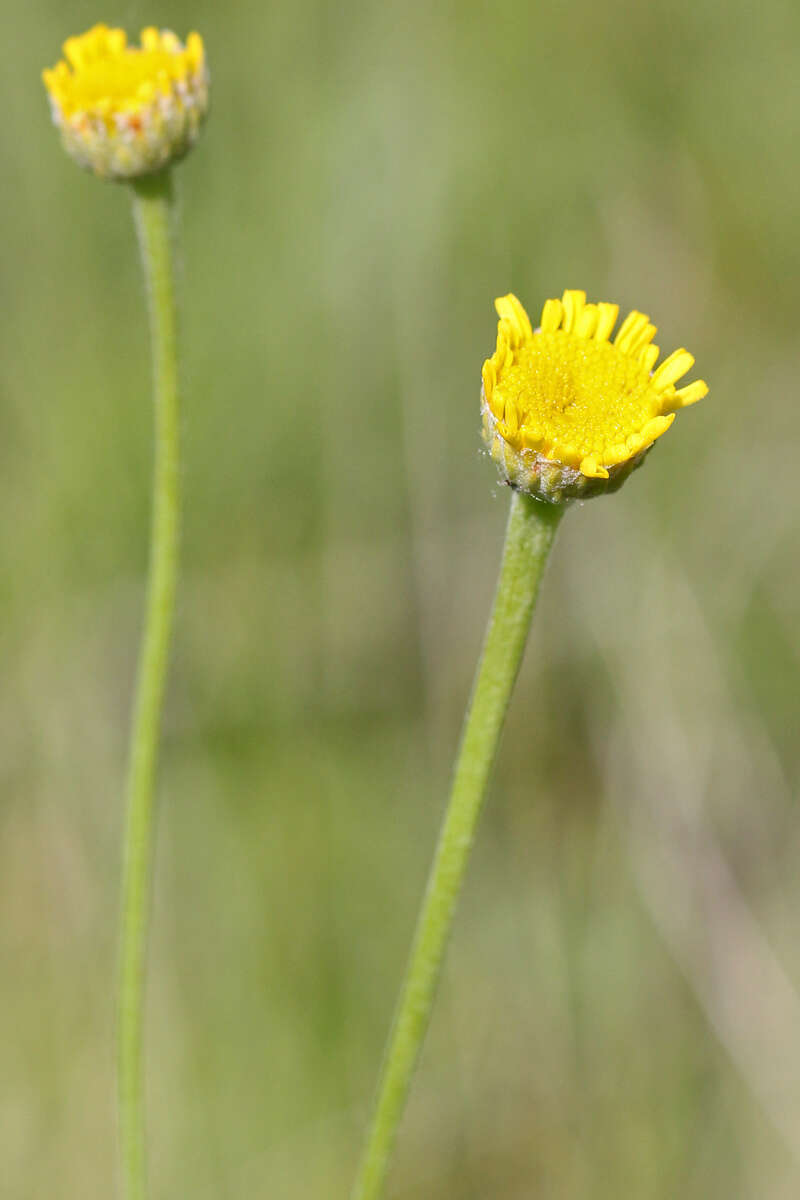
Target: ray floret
pixel 567 411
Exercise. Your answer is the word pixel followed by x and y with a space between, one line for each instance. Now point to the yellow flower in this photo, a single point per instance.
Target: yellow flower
pixel 567 413
pixel 125 111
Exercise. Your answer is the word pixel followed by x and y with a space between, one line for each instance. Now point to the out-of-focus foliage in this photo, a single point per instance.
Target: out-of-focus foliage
pixel 372 176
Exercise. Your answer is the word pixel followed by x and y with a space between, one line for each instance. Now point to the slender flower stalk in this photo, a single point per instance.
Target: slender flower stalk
pixel 127 113
pixel 152 210
pixel 566 415
pixel 529 536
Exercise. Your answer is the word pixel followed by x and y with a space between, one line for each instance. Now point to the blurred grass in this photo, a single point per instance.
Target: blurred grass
pixel 372 176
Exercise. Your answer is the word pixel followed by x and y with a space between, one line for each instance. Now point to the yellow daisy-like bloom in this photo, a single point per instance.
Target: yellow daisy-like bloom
pixel 568 413
pixel 126 111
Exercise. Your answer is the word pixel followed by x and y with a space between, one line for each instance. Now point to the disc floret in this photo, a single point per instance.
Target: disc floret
pixel 567 412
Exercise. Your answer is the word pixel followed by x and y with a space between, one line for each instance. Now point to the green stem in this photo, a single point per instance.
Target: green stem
pixel 529 536
pixel 152 204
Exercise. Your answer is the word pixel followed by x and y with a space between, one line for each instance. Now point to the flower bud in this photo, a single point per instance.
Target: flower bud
pixel 127 111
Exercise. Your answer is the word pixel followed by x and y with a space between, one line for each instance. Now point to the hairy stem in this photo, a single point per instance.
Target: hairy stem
pixel 529 536
pixel 152 202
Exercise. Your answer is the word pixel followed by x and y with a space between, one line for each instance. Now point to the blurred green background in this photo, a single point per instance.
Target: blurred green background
pixel 619 1014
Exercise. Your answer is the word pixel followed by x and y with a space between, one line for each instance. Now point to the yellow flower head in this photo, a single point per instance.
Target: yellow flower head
pixel 567 413
pixel 125 111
